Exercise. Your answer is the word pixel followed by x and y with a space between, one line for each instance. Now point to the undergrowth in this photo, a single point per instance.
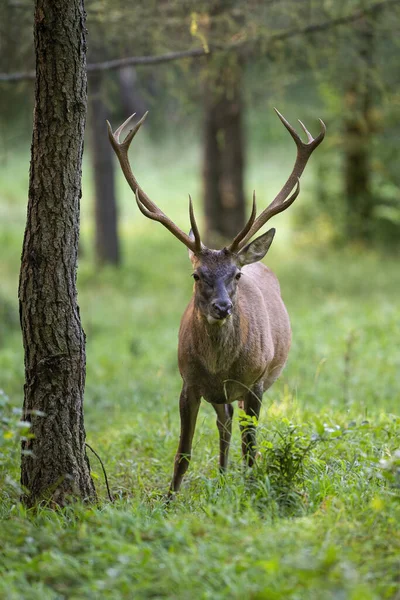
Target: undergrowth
pixel 316 518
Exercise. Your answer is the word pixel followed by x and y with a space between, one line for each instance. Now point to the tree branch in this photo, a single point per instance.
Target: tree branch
pixel 237 46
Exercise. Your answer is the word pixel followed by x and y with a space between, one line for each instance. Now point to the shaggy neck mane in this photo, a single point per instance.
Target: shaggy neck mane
pixel 218 345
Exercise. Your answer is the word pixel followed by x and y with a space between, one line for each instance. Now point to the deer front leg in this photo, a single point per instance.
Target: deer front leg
pixel 252 407
pixel 189 404
pixel 224 424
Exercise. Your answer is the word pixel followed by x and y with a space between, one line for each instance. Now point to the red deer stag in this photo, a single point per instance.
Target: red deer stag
pixel 235 333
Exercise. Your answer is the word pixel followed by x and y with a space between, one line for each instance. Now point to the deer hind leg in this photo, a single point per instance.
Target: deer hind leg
pixel 252 406
pixel 189 404
pixel 224 424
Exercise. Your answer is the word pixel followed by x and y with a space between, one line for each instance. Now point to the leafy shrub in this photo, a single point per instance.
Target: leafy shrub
pixel 278 475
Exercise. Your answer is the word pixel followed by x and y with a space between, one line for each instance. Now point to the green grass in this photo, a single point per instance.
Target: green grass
pixel 318 517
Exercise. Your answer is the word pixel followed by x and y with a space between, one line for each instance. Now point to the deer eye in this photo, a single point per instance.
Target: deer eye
pixel 196 277
pixel 238 275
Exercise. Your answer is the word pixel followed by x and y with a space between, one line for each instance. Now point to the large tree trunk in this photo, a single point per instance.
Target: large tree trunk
pixel 106 231
pixel 357 139
pixel 223 158
pixel 54 464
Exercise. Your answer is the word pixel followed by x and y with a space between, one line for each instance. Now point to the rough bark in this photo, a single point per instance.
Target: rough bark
pixel 223 157
pixel 106 219
pixel 54 465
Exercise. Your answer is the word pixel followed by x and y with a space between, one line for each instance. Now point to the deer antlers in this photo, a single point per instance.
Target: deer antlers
pixel 147 206
pixel 280 203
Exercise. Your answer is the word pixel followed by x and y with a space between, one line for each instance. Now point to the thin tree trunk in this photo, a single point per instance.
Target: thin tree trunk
pixel 130 97
pixel 223 158
pixel 106 226
pixel 54 463
pixel 357 138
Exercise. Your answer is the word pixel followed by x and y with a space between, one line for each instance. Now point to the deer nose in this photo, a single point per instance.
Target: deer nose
pixel 223 308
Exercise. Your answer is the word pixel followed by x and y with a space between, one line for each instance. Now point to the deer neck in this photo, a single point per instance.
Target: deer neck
pixel 217 344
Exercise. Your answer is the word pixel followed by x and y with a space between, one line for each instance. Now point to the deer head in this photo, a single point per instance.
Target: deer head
pixel 217 272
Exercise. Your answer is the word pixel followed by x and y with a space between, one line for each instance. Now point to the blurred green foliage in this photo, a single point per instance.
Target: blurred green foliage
pixel 305 74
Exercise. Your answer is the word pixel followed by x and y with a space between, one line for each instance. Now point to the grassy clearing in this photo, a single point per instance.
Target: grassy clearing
pixel 318 517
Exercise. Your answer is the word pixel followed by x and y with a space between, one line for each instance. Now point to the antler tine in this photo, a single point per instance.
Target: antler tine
pixel 145 211
pixel 281 202
pixel 277 208
pixel 132 132
pixel 160 217
pixel 234 246
pixel 193 225
pixel 288 126
pixel 304 128
pixel 146 206
pixel 314 142
pixel 121 150
pixel 114 137
pixel 118 131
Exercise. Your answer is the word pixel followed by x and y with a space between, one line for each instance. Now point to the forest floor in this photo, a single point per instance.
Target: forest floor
pixel 318 517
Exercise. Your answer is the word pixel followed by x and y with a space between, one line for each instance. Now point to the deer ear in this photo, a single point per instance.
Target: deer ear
pixel 257 249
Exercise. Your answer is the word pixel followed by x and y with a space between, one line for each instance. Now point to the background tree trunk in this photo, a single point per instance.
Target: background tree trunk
pixel 54 463
pixel 357 139
pixel 106 227
pixel 130 97
pixel 223 158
